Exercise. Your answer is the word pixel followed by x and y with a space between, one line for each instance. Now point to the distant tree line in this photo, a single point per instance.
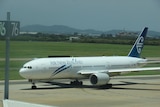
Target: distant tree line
pixel 128 40
pixel 108 39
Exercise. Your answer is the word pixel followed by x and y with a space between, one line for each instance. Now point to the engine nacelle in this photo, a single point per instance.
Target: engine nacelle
pixel 99 79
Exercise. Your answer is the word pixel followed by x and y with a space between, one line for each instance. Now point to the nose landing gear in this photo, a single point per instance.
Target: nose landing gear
pixel 33 84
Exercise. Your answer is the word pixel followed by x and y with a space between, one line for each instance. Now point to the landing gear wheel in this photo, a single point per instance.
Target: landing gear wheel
pixel 76 83
pixel 81 83
pixel 33 84
pixel 34 87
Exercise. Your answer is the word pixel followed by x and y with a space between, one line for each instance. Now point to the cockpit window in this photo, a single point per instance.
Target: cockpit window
pixel 29 67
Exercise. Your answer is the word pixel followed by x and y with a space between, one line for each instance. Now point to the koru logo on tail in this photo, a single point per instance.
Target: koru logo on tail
pixel 139 44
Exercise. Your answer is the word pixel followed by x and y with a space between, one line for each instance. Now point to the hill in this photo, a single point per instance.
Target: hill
pixel 61 29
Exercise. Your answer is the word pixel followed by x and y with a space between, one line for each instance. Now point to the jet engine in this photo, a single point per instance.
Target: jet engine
pixel 99 79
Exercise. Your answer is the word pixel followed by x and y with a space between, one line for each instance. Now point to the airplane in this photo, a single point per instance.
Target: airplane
pixel 98 69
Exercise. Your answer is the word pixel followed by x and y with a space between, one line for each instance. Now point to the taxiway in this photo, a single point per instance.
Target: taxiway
pixel 136 91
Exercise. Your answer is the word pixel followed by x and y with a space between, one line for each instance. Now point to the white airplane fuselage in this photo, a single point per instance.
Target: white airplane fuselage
pixel 68 67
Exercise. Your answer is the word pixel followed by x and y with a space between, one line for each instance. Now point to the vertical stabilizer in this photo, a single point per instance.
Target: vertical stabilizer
pixel 138 45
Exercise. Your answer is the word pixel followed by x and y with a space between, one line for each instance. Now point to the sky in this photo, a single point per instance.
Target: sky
pixel 101 15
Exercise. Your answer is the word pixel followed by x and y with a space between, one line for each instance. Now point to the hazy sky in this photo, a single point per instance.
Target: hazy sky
pixel 85 14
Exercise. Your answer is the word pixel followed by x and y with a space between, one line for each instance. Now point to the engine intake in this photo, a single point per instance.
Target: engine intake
pixel 99 79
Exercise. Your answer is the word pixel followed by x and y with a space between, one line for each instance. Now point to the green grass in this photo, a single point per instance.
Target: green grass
pixel 29 49
pixel 23 49
pixel 43 49
pixel 14 68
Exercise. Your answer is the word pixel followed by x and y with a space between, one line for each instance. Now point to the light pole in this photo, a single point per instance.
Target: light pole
pixel 6 87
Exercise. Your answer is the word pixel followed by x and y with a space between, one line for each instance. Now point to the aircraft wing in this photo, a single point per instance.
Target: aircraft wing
pixel 150 62
pixel 134 69
pixel 88 72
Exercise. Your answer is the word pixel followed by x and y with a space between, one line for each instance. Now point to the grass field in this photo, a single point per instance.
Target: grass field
pixel 29 49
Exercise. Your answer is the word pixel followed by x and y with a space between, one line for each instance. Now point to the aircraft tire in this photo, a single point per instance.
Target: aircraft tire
pixel 76 83
pixel 34 87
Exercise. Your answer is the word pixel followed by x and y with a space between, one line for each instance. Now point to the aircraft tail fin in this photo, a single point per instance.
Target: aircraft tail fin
pixel 138 45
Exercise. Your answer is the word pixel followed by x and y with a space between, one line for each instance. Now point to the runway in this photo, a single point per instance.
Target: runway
pixel 136 91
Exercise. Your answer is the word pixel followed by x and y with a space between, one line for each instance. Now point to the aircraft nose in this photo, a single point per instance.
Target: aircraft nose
pixel 24 73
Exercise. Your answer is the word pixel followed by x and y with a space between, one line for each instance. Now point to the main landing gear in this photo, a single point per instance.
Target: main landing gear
pixel 76 83
pixel 33 86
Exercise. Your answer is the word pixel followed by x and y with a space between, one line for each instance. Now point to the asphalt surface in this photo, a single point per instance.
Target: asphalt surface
pixel 136 91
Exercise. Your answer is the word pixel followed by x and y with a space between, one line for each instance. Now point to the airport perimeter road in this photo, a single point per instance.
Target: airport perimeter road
pixel 139 91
